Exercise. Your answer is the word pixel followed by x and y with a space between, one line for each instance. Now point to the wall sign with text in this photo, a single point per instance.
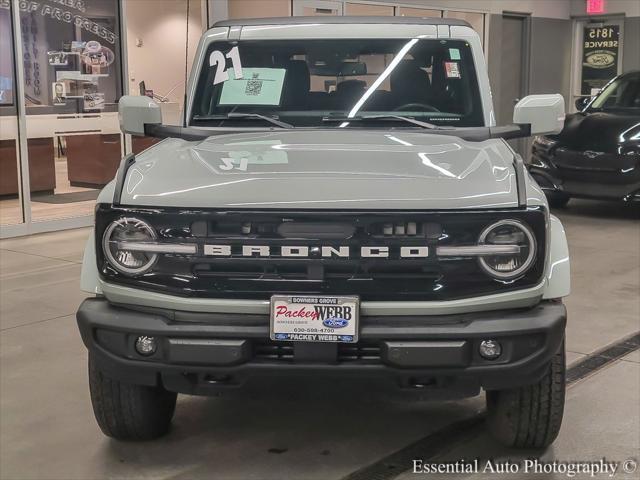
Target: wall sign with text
pixel 600 56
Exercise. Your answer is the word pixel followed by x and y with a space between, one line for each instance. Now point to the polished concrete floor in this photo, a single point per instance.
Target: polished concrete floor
pixel 11 209
pixel 299 429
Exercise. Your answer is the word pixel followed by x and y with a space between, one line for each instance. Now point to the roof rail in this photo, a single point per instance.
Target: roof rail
pixel 335 20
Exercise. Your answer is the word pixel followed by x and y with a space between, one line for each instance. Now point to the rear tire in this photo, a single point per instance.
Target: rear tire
pixel 129 412
pixel 558 200
pixel 529 416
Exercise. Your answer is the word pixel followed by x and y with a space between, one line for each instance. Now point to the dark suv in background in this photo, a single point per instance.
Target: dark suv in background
pixel 597 154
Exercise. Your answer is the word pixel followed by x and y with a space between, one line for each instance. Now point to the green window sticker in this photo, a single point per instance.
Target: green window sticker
pixel 454 54
pixel 258 86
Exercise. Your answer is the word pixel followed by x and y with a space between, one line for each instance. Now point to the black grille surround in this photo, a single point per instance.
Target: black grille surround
pixel 384 279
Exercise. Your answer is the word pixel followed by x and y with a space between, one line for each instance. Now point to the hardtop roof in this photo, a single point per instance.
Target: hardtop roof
pixel 344 20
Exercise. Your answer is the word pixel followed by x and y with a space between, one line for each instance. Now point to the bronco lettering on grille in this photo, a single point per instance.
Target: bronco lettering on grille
pixel 304 251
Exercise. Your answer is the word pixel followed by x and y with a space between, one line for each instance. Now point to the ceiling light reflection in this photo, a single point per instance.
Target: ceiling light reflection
pixel 429 163
pixel 403 51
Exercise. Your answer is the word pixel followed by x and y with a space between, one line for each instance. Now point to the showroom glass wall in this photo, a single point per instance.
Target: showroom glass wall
pixel 60 141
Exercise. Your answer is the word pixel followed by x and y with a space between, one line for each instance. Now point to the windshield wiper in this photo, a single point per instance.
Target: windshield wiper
pixel 235 115
pixel 386 116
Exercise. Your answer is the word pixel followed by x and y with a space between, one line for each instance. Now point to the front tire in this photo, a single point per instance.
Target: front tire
pixel 129 412
pixel 529 416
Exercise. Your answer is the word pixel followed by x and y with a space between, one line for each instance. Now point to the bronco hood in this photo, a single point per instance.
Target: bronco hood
pixel 336 169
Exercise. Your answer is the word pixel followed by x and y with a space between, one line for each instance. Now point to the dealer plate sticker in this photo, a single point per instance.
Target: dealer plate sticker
pixel 314 318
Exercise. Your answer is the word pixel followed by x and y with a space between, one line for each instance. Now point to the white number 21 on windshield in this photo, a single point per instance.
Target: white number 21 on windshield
pixel 219 59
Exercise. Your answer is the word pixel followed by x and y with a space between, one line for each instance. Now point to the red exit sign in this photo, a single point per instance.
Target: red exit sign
pixel 595 7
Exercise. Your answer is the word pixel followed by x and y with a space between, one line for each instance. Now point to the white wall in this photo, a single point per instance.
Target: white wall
pixel 161 26
pixel 538 8
pixel 563 9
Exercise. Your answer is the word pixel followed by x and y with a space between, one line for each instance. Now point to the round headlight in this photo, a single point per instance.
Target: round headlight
pixel 510 265
pixel 129 262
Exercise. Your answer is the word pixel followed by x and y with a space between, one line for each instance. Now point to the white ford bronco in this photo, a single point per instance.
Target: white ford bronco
pixel 338 201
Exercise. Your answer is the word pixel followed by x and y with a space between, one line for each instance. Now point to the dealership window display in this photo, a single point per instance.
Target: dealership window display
pixel 72 64
pixel 71 56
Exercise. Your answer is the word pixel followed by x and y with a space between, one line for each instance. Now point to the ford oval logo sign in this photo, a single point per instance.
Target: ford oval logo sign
pixel 335 322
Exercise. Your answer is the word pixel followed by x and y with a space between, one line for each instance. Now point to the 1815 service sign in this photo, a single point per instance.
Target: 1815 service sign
pixel 599 56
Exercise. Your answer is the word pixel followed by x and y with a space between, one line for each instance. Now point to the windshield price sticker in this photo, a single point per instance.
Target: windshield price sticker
pixel 314 319
pixel 259 86
pixel 452 69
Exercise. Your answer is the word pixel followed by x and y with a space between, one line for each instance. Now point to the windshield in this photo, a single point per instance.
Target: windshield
pixel 621 94
pixel 314 82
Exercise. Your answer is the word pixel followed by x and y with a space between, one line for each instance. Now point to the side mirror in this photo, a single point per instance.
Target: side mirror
pixel 544 113
pixel 135 111
pixel 582 102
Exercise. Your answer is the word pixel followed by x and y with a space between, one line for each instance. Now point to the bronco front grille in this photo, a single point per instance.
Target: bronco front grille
pixel 371 278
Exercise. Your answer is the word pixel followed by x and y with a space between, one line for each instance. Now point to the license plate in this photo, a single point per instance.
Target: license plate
pixel 314 318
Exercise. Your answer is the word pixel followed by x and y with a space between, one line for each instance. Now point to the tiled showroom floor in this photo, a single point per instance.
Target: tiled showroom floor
pixel 298 430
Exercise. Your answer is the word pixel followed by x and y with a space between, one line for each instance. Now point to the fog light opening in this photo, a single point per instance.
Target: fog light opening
pixel 217 379
pixel 146 346
pixel 418 383
pixel 490 349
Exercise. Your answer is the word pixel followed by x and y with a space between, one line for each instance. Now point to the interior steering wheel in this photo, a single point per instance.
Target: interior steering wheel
pixel 408 107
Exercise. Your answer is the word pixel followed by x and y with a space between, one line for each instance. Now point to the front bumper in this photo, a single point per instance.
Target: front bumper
pixel 201 353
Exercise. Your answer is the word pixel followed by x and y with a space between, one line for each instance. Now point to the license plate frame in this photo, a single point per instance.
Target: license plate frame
pixel 327 326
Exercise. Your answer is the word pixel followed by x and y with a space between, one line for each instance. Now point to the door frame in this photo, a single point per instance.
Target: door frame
pixel 525 66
